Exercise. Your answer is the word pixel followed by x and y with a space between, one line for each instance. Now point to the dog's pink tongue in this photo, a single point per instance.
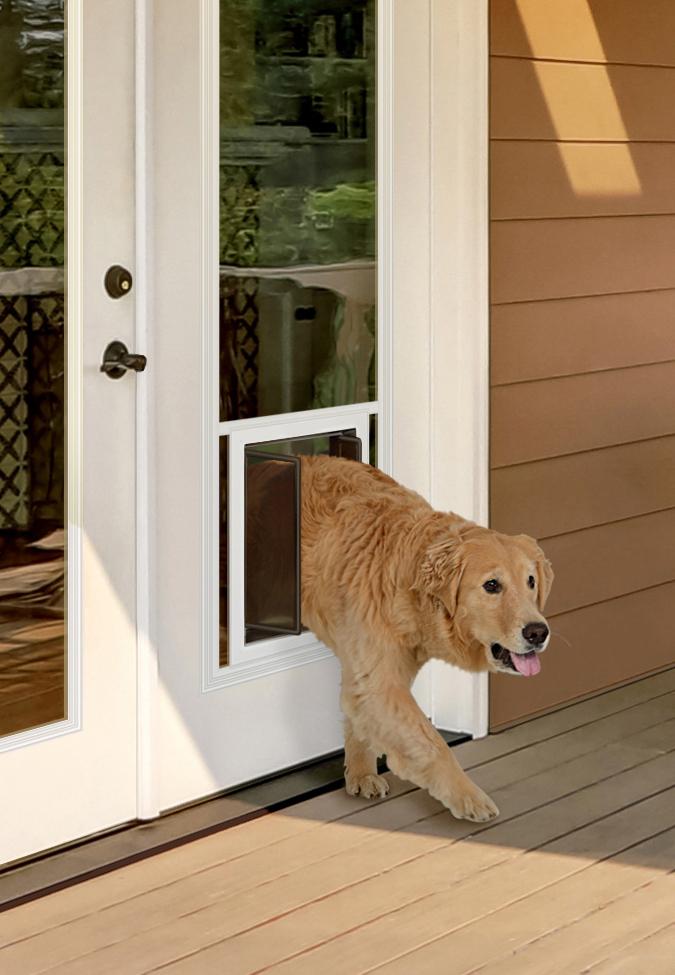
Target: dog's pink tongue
pixel 528 664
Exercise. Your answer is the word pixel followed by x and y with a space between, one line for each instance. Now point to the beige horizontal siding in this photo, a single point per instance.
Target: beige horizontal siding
pixel 592 648
pixel 583 327
pixel 549 417
pixel 540 259
pixel 612 560
pixel 540 339
pixel 581 102
pixel 581 179
pixel 565 494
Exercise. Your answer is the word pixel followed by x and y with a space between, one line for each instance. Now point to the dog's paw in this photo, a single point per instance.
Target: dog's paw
pixel 473 804
pixel 369 786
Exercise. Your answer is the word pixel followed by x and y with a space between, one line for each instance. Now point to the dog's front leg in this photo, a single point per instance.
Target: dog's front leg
pixel 361 767
pixel 390 720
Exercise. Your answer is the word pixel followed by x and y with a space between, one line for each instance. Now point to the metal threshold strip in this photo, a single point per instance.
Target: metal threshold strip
pixel 76 862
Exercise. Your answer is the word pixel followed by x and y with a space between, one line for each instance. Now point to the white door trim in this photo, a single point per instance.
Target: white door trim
pixel 460 378
pixel 441 446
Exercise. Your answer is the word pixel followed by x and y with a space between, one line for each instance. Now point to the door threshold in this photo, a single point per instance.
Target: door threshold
pixel 91 857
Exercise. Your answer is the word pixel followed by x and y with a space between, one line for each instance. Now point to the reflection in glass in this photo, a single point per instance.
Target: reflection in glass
pixel 32 364
pixel 298 276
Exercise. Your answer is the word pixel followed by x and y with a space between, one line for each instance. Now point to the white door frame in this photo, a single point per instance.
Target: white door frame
pixel 440 447
pixel 437 441
pixel 460 322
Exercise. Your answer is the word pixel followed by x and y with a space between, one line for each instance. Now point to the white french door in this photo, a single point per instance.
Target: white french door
pixel 263 170
pixel 67 432
pixel 282 232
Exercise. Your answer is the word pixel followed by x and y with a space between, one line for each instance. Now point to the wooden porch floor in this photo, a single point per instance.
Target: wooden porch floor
pixel 576 875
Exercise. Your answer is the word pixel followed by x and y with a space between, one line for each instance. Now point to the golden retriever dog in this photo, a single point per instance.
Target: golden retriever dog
pixel 387 584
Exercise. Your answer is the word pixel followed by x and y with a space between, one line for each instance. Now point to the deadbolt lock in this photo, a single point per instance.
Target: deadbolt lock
pixel 118 281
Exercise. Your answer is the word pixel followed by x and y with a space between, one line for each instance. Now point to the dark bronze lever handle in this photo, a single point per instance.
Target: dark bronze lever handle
pixel 117 360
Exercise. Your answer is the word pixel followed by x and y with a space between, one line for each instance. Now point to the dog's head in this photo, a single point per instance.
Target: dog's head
pixel 493 588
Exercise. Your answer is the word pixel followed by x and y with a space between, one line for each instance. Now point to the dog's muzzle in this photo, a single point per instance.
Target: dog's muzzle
pixel 525 664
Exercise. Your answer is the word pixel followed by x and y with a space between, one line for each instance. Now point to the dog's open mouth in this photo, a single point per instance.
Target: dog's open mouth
pixel 527 664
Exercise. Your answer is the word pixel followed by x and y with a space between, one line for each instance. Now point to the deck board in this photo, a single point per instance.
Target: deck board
pixel 337 885
pixel 653 953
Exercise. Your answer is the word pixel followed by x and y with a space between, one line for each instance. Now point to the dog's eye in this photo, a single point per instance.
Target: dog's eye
pixel 492 585
pixel 530 582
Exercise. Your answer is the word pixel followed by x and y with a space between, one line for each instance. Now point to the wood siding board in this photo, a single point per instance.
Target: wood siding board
pixel 582 365
pixel 606 561
pixel 607 644
pixel 565 494
pixel 578 102
pixel 542 259
pixel 551 417
pixel 543 339
pixel 619 31
pixel 577 179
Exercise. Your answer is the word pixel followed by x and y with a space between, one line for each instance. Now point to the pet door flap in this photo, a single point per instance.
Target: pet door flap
pixel 346 445
pixel 272 548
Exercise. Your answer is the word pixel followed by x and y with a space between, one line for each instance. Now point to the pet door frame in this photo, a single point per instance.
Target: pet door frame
pixel 277 651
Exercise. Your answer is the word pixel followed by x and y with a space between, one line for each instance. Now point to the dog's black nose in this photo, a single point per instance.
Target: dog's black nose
pixel 535 633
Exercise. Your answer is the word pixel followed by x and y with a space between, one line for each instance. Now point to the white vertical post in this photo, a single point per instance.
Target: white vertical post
pixel 459 352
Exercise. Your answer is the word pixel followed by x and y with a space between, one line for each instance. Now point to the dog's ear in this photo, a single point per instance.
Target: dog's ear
pixel 544 579
pixel 440 571
pixel 543 568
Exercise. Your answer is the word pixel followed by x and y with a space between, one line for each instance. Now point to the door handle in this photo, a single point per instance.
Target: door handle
pixel 117 360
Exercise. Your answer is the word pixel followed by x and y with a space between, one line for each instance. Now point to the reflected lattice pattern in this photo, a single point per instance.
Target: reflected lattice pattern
pixel 32 203
pixel 31 410
pixel 14 473
pixel 239 346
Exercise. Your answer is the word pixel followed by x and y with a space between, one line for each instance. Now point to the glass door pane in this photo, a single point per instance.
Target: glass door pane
pixel 32 342
pixel 298 275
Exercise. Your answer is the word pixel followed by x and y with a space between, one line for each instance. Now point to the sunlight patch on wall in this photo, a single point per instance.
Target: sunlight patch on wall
pixel 600 170
pixel 617 176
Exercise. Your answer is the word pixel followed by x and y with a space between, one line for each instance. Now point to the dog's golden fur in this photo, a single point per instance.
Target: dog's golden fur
pixel 387 583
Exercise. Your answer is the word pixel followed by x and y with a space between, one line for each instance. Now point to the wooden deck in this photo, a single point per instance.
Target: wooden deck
pixel 575 876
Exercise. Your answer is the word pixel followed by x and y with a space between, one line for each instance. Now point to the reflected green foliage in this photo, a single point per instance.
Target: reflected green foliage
pixel 298 125
pixel 32 54
pixel 297 110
